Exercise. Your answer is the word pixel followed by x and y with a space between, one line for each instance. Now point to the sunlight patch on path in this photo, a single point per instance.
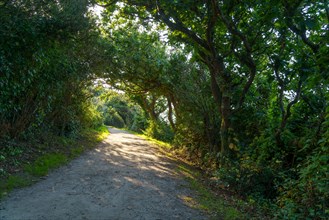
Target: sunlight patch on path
pixel 123 178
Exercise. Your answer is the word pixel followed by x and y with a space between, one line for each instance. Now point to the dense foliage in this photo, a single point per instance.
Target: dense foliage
pixel 251 98
pixel 44 70
pixel 243 85
pixel 118 109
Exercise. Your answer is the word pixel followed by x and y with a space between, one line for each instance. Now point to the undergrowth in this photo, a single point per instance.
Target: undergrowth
pixel 216 206
pixel 218 203
pixel 24 167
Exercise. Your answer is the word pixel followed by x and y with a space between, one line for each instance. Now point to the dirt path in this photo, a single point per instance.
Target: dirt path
pixel 123 178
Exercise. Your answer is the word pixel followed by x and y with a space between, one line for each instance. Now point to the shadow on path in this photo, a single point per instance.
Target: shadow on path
pixel 123 178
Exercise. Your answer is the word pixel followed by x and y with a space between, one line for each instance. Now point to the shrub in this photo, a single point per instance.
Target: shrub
pixel 139 123
pixel 307 197
pixel 114 119
pixel 248 179
pixel 159 130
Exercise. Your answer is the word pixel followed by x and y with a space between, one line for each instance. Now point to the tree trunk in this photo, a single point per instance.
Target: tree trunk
pixel 217 96
pixel 149 108
pixel 225 124
pixel 223 101
pixel 170 115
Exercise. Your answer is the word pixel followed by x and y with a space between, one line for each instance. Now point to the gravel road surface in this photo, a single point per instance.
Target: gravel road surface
pixel 124 177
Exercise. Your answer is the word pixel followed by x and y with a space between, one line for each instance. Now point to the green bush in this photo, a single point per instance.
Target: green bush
pixel 44 73
pixel 139 123
pixel 114 119
pixel 307 197
pixel 91 117
pixel 159 130
pixel 248 179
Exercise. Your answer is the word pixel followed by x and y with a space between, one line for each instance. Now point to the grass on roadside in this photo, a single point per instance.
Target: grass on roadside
pixel 218 206
pixel 162 144
pixel 16 181
pixel 206 200
pixel 52 154
pixel 45 163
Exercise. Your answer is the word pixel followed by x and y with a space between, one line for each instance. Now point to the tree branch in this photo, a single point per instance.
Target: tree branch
pixel 212 17
pixel 281 84
pixel 290 10
pixel 177 25
pixel 246 58
pixel 295 100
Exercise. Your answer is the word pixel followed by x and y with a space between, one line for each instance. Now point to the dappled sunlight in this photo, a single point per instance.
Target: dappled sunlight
pixel 133 164
pixel 120 179
pixel 138 154
pixel 189 201
pixel 161 170
pixel 132 137
pixel 139 183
